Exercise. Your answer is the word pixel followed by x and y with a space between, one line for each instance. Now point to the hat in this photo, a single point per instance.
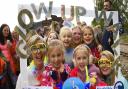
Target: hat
pixel 73 83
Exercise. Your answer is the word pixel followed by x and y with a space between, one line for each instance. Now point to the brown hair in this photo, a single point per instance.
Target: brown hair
pixel 88 27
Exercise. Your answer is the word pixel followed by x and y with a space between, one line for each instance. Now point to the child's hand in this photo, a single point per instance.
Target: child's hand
pixel 111 28
pixel 100 48
pixel 61 68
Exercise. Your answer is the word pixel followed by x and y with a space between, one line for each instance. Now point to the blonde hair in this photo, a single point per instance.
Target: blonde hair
pixel 55 43
pixel 64 30
pixel 82 47
pixel 34 39
pixel 108 55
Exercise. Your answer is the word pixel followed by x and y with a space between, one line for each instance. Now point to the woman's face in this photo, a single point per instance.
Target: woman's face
pixel 88 36
pixel 105 65
pixel 38 51
pixel 5 31
pixel 81 59
pixel 56 57
pixel 76 33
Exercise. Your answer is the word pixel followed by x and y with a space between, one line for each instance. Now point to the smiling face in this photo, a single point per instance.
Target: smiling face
pixel 88 36
pixel 5 31
pixel 15 35
pixel 52 36
pixel 107 6
pixel 76 35
pixel 66 38
pixel 82 59
pixel 38 51
pixel 56 57
pixel 105 65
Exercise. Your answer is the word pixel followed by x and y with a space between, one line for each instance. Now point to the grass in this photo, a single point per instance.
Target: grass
pixel 124 38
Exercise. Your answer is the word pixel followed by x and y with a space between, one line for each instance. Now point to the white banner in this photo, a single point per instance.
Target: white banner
pixel 38 87
pixel 104 87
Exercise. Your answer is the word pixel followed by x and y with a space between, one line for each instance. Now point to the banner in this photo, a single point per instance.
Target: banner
pixel 37 87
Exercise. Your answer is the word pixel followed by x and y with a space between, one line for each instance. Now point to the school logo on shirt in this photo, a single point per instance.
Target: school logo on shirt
pixel 117 85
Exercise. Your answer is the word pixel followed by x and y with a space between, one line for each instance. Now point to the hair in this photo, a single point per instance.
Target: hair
pixel 77 27
pixel 63 30
pixel 55 26
pixel 94 42
pixel 34 39
pixel 46 29
pixel 29 35
pixel 2 40
pixel 108 55
pixel 50 33
pixel 55 43
pixel 88 27
pixel 82 47
pixel 108 1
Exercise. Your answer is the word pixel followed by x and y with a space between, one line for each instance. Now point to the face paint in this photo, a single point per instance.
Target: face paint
pixel 38 47
pixel 104 62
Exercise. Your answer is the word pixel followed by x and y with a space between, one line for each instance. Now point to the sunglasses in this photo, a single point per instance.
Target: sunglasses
pixel 38 47
pixel 104 63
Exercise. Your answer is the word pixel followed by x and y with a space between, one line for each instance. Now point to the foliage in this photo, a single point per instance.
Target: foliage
pixel 118 5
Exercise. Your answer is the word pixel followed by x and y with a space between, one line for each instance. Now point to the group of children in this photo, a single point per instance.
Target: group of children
pixel 71 53
pixel 56 57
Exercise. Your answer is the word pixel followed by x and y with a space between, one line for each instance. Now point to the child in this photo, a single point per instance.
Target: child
pixel 66 38
pixel 52 35
pixel 76 36
pixel 81 56
pixel 89 40
pixel 58 71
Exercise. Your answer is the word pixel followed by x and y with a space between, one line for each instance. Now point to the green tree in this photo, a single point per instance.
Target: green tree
pixel 118 5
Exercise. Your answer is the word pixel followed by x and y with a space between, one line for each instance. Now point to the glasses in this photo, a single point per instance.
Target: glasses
pixel 104 63
pixel 39 47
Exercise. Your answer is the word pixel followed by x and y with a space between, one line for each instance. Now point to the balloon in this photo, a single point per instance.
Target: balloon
pixel 73 83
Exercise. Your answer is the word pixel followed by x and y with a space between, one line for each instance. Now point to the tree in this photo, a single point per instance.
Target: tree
pixel 118 5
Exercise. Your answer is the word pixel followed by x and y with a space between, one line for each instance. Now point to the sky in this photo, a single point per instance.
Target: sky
pixel 9 8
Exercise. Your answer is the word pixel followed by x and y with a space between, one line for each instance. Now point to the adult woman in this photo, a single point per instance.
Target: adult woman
pixel 7 45
pixel 35 71
pixel 106 67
